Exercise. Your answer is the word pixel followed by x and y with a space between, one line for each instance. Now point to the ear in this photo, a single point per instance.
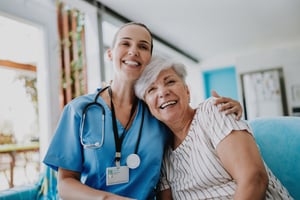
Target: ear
pixel 109 54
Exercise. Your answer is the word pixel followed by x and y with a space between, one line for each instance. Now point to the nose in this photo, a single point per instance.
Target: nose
pixel 133 52
pixel 162 92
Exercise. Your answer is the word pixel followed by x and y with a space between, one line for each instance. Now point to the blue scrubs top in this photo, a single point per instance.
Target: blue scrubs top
pixel 66 150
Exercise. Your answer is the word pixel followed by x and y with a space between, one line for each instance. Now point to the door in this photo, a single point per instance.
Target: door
pixel 221 80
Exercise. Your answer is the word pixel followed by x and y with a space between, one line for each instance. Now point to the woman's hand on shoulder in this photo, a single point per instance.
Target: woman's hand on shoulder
pixel 229 105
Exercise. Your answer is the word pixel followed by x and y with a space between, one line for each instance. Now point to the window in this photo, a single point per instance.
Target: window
pixel 19 116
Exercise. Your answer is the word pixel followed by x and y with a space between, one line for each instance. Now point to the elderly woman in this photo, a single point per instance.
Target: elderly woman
pixel 212 155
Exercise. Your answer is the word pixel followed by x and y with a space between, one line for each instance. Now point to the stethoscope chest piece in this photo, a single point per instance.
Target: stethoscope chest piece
pixel 133 161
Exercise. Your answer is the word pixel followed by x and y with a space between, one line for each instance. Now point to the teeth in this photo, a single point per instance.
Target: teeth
pixel 164 105
pixel 131 63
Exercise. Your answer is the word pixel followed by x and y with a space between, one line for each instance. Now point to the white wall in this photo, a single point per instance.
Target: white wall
pixel 286 56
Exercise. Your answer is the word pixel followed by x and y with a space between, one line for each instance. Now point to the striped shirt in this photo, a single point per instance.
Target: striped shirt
pixel 194 171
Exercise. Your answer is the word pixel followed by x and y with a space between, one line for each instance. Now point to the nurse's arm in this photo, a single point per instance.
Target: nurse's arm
pixel 228 105
pixel 70 187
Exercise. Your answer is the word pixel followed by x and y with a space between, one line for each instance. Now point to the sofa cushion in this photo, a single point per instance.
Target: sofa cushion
pixel 278 139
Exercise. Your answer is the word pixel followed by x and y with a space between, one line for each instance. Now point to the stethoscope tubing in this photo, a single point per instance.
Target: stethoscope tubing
pixel 82 122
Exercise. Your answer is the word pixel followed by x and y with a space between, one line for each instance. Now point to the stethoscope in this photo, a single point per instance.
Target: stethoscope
pixel 97 144
pixel 133 159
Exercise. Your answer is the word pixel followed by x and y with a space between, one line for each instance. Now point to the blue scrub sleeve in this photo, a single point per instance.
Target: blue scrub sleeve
pixel 65 150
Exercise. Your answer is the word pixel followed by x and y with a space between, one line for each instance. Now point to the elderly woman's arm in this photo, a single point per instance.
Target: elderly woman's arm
pixel 241 158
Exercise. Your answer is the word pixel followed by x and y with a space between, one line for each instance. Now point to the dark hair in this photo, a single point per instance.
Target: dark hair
pixel 133 23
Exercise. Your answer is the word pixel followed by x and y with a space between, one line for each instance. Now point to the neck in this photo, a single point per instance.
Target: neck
pixel 181 128
pixel 124 103
pixel 123 94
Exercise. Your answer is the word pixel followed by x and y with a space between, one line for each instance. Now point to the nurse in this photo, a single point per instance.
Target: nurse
pixel 118 158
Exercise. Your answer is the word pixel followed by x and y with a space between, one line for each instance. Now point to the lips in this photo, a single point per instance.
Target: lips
pixel 132 63
pixel 166 104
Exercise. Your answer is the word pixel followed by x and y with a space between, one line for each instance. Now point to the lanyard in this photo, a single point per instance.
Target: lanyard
pixel 119 140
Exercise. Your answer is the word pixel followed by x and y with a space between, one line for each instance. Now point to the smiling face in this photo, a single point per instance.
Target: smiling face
pixel 131 51
pixel 168 97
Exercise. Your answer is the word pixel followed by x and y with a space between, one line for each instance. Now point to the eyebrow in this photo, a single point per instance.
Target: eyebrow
pixel 129 38
pixel 169 76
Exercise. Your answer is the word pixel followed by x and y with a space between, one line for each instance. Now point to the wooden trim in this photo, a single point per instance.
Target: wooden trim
pixel 84 67
pixel 75 52
pixel 59 28
pixel 16 65
pixel 73 77
pixel 66 54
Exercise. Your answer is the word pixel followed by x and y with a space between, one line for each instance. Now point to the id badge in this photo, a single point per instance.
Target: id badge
pixel 117 175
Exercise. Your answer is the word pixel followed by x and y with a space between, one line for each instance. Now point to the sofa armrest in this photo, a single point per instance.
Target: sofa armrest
pixel 278 139
pixel 20 193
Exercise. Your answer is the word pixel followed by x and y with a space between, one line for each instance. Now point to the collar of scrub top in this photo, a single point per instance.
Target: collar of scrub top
pixel 119 140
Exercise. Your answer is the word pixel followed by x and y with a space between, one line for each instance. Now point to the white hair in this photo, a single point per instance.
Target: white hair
pixel 153 69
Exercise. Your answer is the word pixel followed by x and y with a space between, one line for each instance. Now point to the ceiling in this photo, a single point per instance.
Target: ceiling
pixel 207 28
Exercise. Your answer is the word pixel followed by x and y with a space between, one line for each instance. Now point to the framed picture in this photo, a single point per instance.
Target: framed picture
pixel 264 93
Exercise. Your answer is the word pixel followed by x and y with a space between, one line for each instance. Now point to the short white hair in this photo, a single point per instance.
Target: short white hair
pixel 153 69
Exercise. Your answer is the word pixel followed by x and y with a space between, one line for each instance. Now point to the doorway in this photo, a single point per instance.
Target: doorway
pixel 222 80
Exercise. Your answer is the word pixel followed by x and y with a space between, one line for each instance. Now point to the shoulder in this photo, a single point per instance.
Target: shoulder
pixel 208 112
pixel 81 100
pixel 79 103
pixel 208 105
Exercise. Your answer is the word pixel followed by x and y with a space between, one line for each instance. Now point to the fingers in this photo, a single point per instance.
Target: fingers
pixel 237 110
pixel 215 94
pixel 220 100
pixel 230 106
pixel 239 114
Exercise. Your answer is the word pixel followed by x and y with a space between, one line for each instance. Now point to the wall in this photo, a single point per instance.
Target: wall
pixel 286 56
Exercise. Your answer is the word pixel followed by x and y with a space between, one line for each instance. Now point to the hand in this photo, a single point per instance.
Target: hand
pixel 229 105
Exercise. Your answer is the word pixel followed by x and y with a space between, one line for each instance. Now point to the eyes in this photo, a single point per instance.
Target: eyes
pixel 141 45
pixel 154 87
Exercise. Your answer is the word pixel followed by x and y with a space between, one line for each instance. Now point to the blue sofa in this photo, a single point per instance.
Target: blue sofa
pixel 44 189
pixel 278 139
